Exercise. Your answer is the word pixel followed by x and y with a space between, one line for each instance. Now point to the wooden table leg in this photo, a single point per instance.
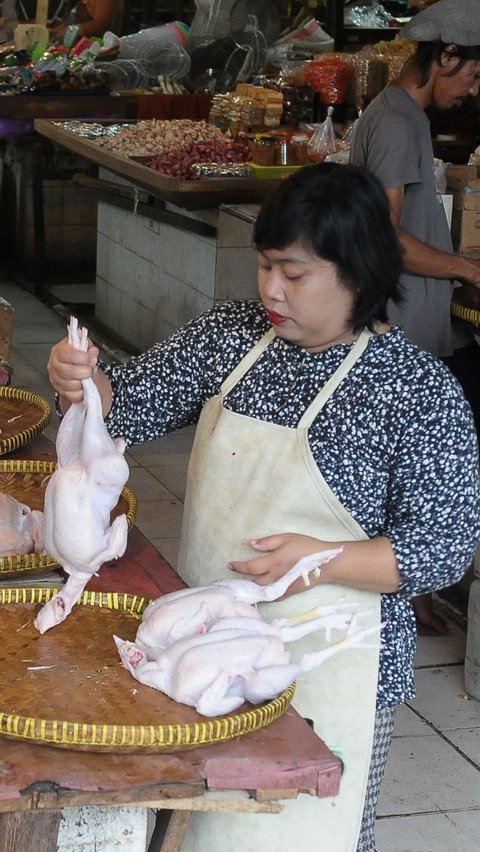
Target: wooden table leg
pixel 169 832
pixel 29 831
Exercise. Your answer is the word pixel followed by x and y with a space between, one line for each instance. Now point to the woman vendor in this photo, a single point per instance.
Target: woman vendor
pixel 317 423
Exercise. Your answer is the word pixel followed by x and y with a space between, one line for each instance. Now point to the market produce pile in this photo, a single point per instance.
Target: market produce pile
pixel 57 69
pixel 158 136
pixel 176 145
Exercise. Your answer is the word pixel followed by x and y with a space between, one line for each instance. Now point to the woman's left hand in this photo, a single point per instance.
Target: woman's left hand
pixel 281 552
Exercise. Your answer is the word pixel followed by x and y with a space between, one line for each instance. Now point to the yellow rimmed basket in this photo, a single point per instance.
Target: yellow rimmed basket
pixel 76 666
pixel 471 315
pixel 26 480
pixel 23 416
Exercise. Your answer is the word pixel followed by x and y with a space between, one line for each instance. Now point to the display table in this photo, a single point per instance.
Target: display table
pixel 249 774
pixel 186 194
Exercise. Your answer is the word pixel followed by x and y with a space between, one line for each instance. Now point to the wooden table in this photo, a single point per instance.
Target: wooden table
pixel 250 774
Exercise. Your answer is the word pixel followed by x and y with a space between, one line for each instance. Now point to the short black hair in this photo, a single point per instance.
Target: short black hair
pixel 428 52
pixel 340 213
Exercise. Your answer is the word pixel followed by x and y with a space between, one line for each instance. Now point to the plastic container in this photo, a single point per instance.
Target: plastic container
pixel 283 152
pixel 140 44
pixel 263 153
pixel 299 150
pixel 273 172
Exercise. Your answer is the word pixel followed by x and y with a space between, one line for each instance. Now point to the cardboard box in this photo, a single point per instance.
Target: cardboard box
pixel 6 328
pixel 464 181
pixel 459 176
pixel 466 231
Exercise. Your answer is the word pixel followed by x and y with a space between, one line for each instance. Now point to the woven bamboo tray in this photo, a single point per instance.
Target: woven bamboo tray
pixel 26 480
pixel 68 688
pixel 23 416
pixel 462 311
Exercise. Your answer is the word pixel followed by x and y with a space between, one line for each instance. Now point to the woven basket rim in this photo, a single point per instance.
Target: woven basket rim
pixel 471 315
pixel 124 738
pixel 7 445
pixel 35 562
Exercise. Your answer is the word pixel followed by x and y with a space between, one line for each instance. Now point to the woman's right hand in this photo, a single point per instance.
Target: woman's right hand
pixel 67 367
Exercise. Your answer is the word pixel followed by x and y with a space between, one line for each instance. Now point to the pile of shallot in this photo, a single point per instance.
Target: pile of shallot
pixel 178 163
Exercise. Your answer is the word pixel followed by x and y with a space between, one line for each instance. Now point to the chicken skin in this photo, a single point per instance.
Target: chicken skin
pixel 20 527
pixel 81 495
pixel 211 649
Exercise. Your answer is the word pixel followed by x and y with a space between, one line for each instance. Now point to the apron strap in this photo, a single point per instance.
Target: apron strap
pixel 248 361
pixel 330 387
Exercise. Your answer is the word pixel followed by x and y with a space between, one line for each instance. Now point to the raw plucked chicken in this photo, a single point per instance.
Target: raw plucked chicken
pixel 240 657
pixel 20 527
pixel 191 611
pixel 81 495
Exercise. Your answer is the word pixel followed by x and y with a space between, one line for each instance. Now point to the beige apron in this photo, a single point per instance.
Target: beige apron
pixel 247 479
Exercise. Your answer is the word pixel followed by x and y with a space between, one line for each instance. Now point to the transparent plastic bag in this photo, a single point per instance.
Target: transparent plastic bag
pixel 323 141
pixel 330 76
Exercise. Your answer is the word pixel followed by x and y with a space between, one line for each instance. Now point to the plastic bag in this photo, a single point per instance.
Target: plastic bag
pixel 440 170
pixel 330 76
pixel 323 141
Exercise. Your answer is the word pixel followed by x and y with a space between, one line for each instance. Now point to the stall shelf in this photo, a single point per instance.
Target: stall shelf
pixel 67 106
pixel 187 194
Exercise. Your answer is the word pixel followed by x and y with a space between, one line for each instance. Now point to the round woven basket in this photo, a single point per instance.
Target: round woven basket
pixel 471 315
pixel 24 415
pixel 76 666
pixel 26 480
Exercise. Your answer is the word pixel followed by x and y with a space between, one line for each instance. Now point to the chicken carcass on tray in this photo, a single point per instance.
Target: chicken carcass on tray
pixel 80 496
pixel 191 611
pixel 20 527
pixel 231 654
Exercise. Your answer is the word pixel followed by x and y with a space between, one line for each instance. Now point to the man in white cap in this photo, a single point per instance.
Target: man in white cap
pixel 393 140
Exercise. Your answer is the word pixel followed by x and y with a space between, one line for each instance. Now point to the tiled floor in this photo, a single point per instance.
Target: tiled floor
pixel 431 794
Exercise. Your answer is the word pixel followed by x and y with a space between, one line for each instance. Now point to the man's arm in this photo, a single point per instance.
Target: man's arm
pixel 422 259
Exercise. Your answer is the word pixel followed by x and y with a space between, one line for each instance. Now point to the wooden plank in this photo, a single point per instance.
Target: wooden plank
pixel 170 830
pixel 68 106
pixel 224 801
pixel 269 795
pixel 35 831
pixel 6 328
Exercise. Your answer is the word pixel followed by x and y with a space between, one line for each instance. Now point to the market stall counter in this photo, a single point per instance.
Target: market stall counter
pixel 186 194
pixel 250 773
pixel 166 247
pixel 45 220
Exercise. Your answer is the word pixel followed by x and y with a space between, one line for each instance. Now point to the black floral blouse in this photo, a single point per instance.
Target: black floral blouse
pixel 395 442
